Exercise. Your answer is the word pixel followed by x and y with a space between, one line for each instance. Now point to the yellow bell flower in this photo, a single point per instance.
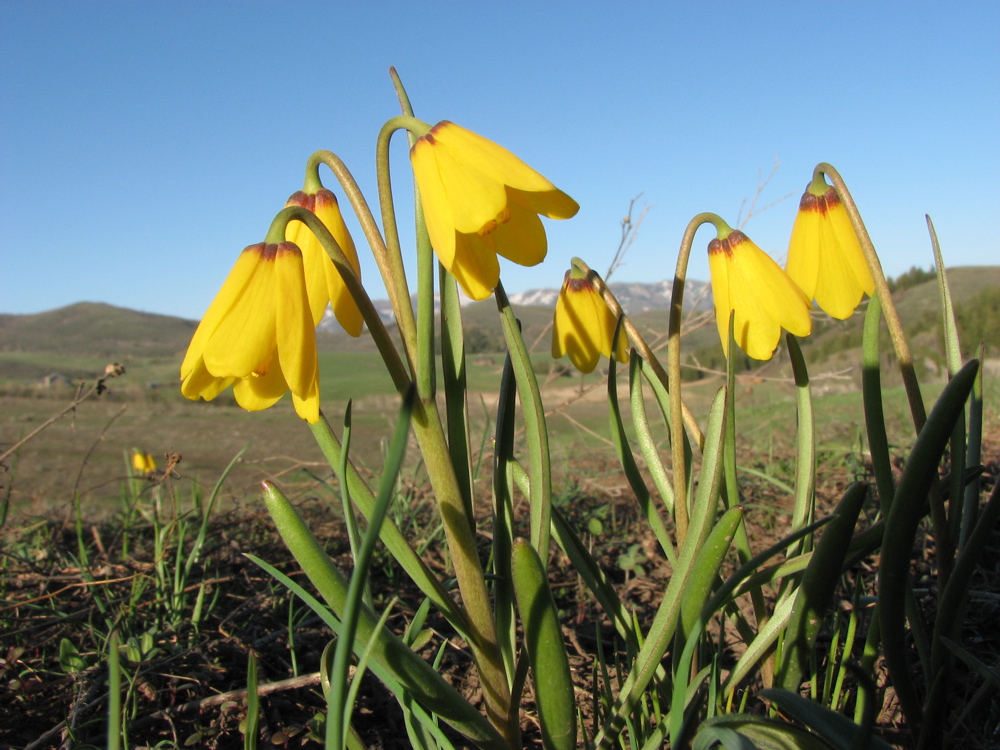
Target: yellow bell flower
pixel 258 335
pixel 323 282
pixel 824 256
pixel 764 298
pixel 583 326
pixel 481 201
pixel 143 463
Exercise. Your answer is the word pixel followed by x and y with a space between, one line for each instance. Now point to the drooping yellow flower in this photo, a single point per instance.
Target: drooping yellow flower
pixel 323 282
pixel 258 335
pixel 824 256
pixel 764 298
pixel 143 463
pixel 583 326
pixel 481 201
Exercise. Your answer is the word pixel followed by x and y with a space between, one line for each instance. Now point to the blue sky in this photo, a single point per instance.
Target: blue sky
pixel 143 145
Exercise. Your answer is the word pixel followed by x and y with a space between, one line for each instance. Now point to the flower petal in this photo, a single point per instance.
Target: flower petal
pixel 774 291
pixel 434 202
pixel 850 246
pixel 232 289
pixel 803 250
pixel 294 334
pixel 344 307
pixel 756 331
pixel 476 197
pixel 489 158
pixel 521 238
pixel 198 382
pixel 245 338
pixel 552 203
pixel 718 267
pixel 475 266
pixel 264 388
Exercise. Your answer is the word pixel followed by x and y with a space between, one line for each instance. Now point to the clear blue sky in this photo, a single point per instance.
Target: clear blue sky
pixel 143 145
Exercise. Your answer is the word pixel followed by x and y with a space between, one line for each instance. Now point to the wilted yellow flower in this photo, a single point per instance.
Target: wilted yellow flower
pixel 765 299
pixel 323 281
pixel 143 463
pixel 583 326
pixel 479 201
pixel 258 335
pixel 824 256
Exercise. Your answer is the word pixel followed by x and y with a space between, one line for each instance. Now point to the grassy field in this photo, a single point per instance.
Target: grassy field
pixel 86 450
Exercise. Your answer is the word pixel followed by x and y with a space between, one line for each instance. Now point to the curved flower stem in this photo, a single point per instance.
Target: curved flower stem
pixel 276 232
pixel 892 320
pixel 434 447
pixel 426 370
pixel 640 344
pixel 383 258
pixel 391 260
pixel 674 370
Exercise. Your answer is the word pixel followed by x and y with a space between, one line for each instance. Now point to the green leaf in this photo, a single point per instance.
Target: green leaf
pixel 766 734
pixel 253 706
pixel 836 729
pixel 812 599
pixel 543 640
pixel 909 505
pixel 70 660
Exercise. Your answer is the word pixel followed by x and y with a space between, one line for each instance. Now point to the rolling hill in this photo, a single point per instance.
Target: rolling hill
pixel 78 340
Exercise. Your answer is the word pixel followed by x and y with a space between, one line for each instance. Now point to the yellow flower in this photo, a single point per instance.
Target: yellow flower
pixel 583 326
pixel 765 299
pixel 258 335
pixel 143 463
pixel 323 282
pixel 479 201
pixel 824 255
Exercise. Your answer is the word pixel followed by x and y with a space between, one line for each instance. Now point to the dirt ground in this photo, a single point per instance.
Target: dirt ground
pixel 185 684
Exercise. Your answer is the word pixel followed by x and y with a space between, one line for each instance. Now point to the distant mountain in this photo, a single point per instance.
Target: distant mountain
pixel 86 335
pixel 94 329
pixel 634 298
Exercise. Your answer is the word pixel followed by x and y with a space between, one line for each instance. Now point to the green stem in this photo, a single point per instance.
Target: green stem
pixel 391 261
pixel 276 233
pixel 640 345
pixel 674 371
pixel 535 428
pixel 362 561
pixel 426 371
pixel 892 320
pixel 361 496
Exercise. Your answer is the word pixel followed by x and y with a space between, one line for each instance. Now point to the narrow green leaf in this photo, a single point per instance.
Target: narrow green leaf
pixel 632 474
pixel 338 704
pixel 647 443
pixel 812 598
pixel 693 617
pixel 389 652
pixel 804 506
pixel 836 729
pixel 392 537
pixel 871 389
pixel 546 649
pixel 534 425
pixel 503 518
pixel 766 734
pixel 253 706
pixel 908 507
pixel 114 694
pixel 668 613
pixel 453 372
pixel 593 576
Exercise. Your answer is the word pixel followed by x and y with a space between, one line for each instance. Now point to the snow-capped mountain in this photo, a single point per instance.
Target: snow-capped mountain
pixel 634 298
